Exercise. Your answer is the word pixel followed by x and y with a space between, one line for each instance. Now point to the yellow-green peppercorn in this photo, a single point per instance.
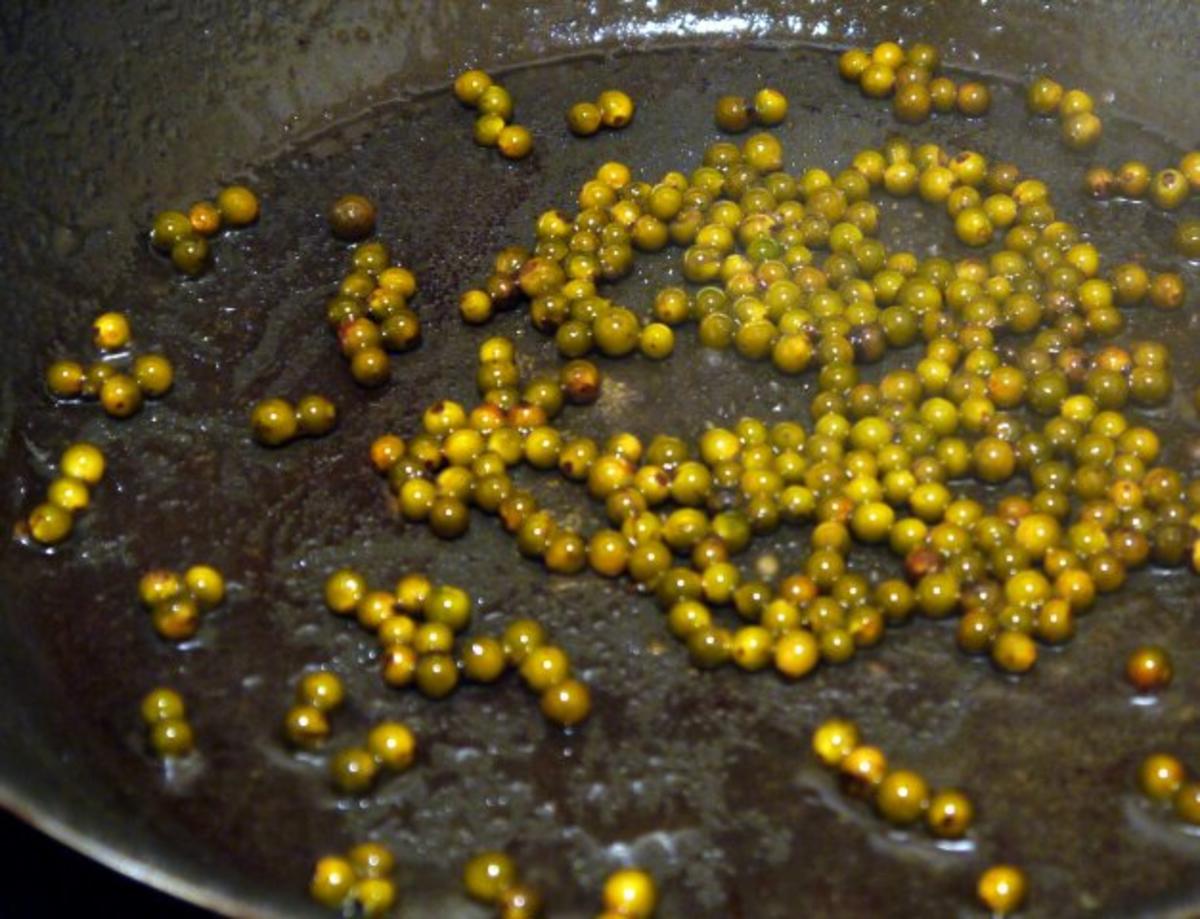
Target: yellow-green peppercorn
pixel 488 875
pixel 630 892
pixel 1161 775
pixel 238 205
pixel 616 108
pixel 470 85
pixel 1002 889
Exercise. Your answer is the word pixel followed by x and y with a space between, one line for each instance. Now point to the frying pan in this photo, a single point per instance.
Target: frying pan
pixel 110 112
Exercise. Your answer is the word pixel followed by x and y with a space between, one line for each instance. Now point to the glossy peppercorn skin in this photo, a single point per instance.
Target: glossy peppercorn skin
pixel 1074 653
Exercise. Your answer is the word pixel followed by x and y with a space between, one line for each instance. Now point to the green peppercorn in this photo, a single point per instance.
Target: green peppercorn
pixel 950 814
pixel 1081 131
pixel 121 396
pixel 172 738
pixel 170 228
pixel 273 422
pixel 306 726
pixel 488 875
pixel 393 745
pixel 1161 776
pixel 1149 668
pixel 584 118
pixel 514 142
pixel 470 85
pixel 436 675
pixel 902 797
pixel 315 415
pixel 1169 189
pixel 162 704
pixel 732 114
pixel 353 770
pixel 332 879
pixel 1044 96
pixel 190 255
pixel 49 524
pixel 352 217
pixel 566 703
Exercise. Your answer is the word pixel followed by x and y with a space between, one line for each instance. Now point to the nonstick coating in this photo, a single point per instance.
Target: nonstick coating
pixel 702 778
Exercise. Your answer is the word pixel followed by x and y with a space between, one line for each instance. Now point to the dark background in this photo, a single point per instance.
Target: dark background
pixel 57 880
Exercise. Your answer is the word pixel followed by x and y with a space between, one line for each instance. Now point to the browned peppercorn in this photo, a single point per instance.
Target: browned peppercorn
pixel 352 217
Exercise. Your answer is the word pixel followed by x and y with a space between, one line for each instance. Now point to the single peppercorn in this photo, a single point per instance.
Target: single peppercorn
pixel 315 415
pixel 64 379
pixel 616 108
pixel 190 255
pixel 902 797
pixel 353 770
pixel 110 331
pixel 1081 131
pixel 205 218
pixel 238 205
pixel 974 99
pixel 488 875
pixel 393 745
pixel 1187 802
pixel 470 85
pixel 172 738
pixel 273 422
pixel 566 703
pixel 1002 889
pixel 514 142
pixel 1160 776
pixel 49 524
pixel 306 726
pixel 1044 96
pixel 584 119
pixel 332 879
pixel 120 396
pixel 950 814
pixel 1187 239
pixel 630 893
pixel 153 374
pixel 770 107
pixel 1149 668
pixel 162 704
pixel 732 114
pixel 170 228
pixel 352 217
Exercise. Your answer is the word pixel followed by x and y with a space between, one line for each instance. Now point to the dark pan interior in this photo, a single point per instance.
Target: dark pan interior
pixel 703 778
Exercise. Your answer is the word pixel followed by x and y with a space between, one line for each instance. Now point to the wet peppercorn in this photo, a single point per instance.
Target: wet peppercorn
pixel 566 703
pixel 514 142
pixel 616 108
pixel 352 217
pixel 584 118
pixel 393 745
pixel 190 255
pixel 273 422
pixel 120 396
pixel 631 893
pixel 1001 888
pixel 331 881
pixel 1160 776
pixel 950 814
pixel 110 331
pixel 238 205
pixel 353 770
pixel 488 875
pixel 470 85
pixel 902 797
pixel 153 375
pixel 1149 668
